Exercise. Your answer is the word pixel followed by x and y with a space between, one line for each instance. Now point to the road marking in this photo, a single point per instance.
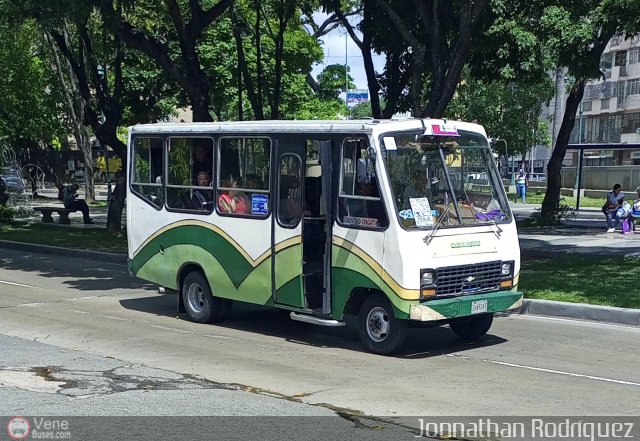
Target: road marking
pixel 550 371
pixel 17 284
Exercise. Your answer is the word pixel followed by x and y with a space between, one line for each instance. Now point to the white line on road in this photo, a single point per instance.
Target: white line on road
pixel 550 371
pixel 17 284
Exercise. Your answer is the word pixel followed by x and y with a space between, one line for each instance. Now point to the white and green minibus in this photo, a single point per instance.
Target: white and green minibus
pixel 391 221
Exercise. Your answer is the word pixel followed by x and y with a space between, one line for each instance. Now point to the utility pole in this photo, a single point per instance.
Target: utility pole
pixel 346 73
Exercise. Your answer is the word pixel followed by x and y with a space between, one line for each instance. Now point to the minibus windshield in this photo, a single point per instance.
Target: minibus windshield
pixel 444 181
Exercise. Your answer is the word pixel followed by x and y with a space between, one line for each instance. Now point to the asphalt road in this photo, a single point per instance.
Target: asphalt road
pixel 525 366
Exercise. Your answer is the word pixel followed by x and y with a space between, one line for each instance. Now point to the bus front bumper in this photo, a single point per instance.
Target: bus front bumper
pixel 464 306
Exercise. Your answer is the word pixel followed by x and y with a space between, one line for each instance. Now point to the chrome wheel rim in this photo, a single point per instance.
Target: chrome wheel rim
pixel 195 298
pixel 378 324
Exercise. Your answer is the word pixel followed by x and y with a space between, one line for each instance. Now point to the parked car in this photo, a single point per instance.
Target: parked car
pixel 12 179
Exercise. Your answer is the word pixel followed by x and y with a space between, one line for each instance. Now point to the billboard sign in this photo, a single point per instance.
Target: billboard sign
pixel 357 96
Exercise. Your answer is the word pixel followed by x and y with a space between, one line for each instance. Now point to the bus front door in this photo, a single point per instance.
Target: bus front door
pixel 300 248
pixel 286 243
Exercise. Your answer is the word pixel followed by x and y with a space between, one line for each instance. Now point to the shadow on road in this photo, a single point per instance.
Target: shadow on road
pixel 421 342
pixel 81 274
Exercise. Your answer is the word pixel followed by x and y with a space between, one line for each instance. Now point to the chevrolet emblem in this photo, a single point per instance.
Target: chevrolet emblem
pixel 469 279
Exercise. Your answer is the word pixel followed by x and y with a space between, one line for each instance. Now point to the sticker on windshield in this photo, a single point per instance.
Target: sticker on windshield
pixel 422 213
pixel 390 143
pixel 406 214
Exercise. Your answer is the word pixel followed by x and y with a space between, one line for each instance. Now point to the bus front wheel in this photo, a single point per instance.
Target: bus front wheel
pixel 200 304
pixel 380 331
pixel 473 328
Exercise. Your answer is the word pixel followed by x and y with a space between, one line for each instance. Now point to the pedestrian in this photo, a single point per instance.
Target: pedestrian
pixel 522 183
pixel 69 195
pixel 615 199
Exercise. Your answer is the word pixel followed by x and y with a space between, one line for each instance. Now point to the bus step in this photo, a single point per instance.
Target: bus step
pixel 315 320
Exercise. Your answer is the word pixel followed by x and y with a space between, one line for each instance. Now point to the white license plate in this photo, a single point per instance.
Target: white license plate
pixel 479 306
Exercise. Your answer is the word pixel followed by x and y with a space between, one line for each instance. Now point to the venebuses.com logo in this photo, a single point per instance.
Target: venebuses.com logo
pixel 18 428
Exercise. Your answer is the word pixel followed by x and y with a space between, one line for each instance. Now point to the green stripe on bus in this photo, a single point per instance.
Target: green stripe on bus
pixel 234 263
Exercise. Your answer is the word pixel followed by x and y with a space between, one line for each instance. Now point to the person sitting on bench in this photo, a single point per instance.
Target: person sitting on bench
pixel 69 195
pixel 615 199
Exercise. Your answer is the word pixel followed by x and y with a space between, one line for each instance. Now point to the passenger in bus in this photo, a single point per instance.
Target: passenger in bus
pixel 233 201
pixel 202 199
pixel 202 161
pixel 417 189
pixel 290 202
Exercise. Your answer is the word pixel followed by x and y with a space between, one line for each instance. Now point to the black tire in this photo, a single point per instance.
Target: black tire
pixel 201 306
pixel 380 331
pixel 473 328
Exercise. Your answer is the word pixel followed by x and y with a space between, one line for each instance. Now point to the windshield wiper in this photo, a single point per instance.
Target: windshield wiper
pixel 498 230
pixel 427 239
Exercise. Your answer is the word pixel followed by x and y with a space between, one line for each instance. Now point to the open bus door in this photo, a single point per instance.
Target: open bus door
pixel 302 225
pixel 286 230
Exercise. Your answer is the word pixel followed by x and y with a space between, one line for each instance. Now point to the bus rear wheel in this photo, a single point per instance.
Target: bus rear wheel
pixel 201 306
pixel 380 331
pixel 473 328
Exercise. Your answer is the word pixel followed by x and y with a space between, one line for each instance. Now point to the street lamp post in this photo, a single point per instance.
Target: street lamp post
pixel 346 73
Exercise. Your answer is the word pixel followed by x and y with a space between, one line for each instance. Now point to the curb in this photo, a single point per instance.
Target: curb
pixel 101 256
pixel 565 251
pixel 581 311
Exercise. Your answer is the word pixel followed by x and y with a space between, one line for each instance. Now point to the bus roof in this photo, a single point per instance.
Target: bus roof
pixel 365 126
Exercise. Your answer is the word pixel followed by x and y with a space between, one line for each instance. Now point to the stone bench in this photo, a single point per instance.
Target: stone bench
pixel 48 219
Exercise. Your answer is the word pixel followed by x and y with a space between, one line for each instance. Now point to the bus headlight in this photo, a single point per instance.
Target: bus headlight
pixel 427 278
pixel 427 283
pixel 506 275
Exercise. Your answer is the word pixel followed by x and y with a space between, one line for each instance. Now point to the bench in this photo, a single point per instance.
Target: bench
pixel 48 219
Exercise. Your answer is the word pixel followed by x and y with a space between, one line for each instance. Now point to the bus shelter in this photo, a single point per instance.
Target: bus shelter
pixel 605 167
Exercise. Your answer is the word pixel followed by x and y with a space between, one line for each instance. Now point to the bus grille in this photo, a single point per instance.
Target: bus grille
pixel 468 279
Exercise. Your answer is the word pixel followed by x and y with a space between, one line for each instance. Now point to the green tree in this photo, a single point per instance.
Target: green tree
pixel 332 80
pixel 577 34
pixel 30 110
pixel 426 44
pixel 361 111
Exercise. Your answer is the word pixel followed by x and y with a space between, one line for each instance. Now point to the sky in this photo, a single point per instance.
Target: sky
pixel 337 45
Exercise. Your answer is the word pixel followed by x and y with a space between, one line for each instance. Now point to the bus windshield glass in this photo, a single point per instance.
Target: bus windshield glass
pixel 444 181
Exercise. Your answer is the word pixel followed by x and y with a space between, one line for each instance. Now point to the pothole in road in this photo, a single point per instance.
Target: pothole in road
pixel 84 383
pixel 34 380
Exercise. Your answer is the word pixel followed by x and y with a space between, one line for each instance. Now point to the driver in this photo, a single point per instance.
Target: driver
pixel 417 189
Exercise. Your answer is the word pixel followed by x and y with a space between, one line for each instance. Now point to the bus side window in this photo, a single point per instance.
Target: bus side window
pixel 190 167
pixel 243 177
pixel 147 175
pixel 290 192
pixel 359 202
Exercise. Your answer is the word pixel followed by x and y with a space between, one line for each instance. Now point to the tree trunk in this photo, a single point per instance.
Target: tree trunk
pixel 554 167
pixel 73 99
pixel 558 110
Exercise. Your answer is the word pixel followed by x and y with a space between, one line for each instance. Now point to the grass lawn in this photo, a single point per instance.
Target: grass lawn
pixel 97 239
pixel 538 197
pixel 609 281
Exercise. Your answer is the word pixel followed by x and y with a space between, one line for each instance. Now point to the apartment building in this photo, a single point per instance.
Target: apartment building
pixel 610 109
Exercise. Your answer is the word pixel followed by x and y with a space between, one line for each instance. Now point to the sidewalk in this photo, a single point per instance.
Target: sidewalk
pixel 586 233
